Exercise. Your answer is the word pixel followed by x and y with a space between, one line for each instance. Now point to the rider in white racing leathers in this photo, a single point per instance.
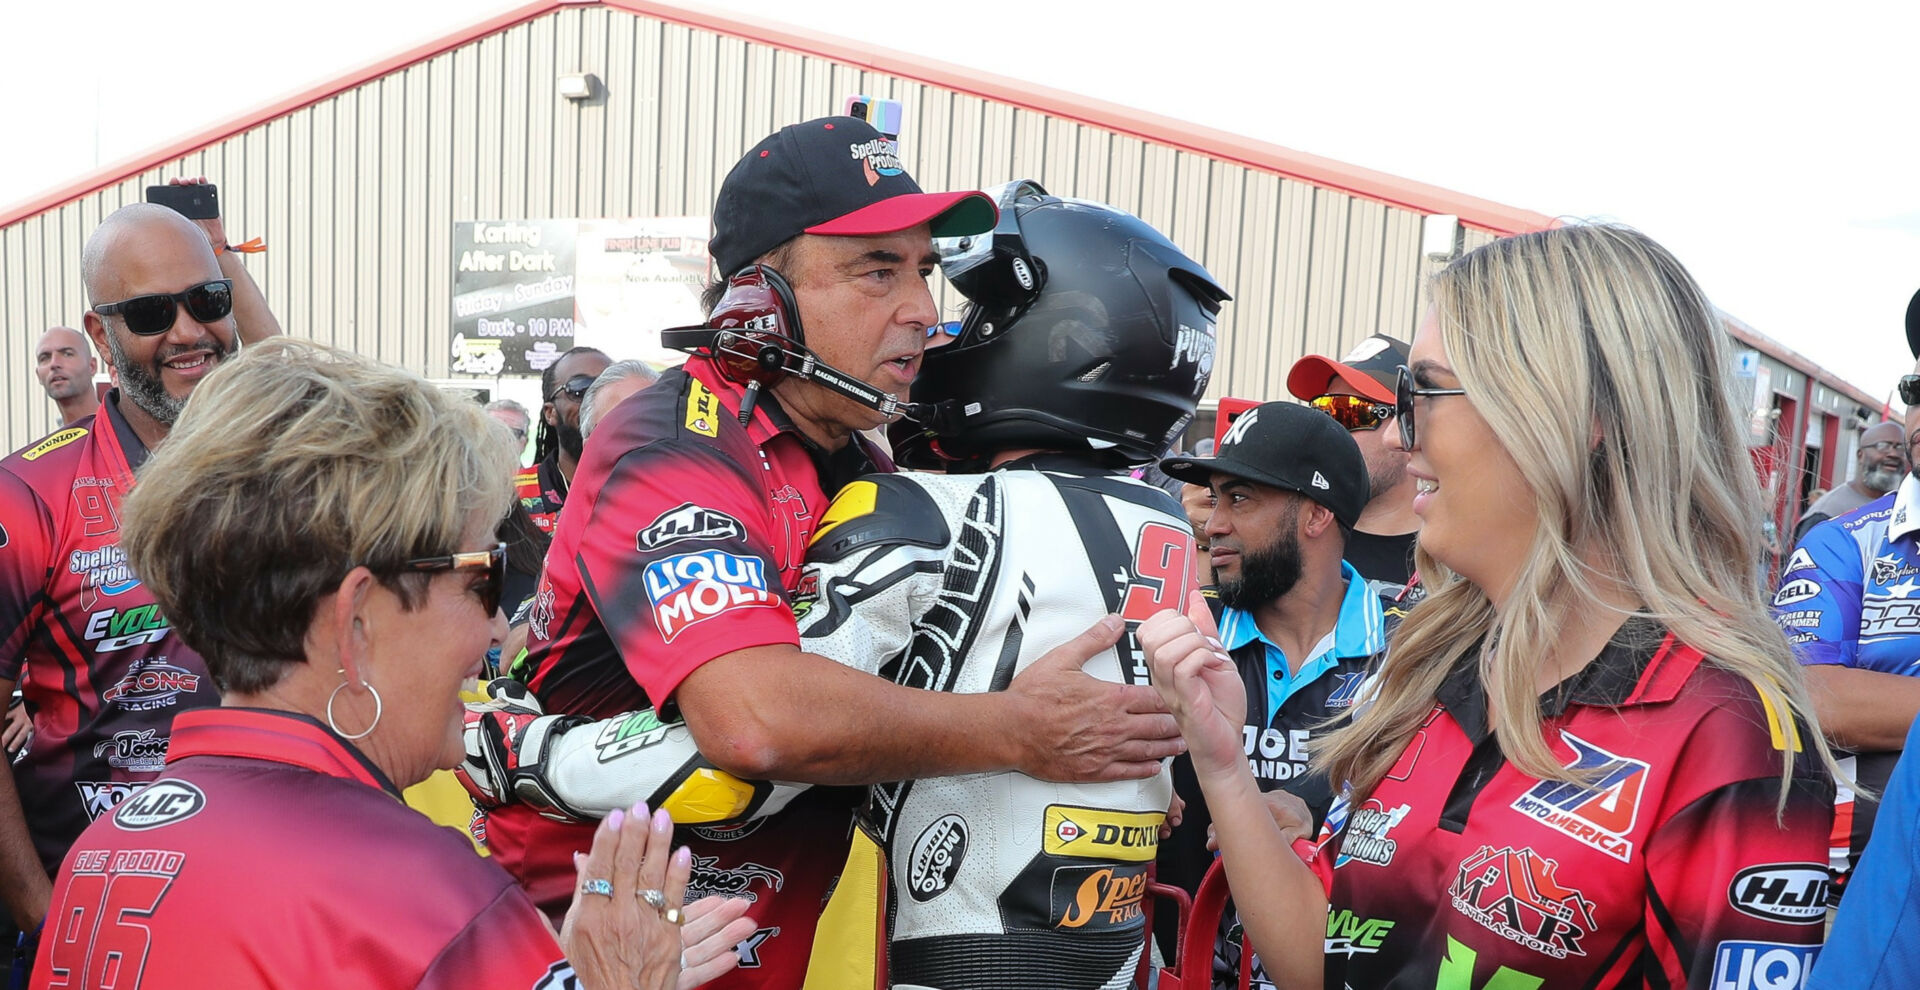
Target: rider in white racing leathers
pixel 1088 340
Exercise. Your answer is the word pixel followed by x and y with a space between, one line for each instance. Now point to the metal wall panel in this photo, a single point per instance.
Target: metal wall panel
pixel 356 194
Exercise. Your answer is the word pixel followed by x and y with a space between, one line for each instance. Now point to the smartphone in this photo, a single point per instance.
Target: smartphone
pixel 884 115
pixel 201 202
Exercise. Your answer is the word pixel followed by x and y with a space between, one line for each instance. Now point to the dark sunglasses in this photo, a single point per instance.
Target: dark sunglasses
pixel 1352 412
pixel 576 386
pixel 1910 389
pixel 1403 396
pixel 154 314
pixel 493 561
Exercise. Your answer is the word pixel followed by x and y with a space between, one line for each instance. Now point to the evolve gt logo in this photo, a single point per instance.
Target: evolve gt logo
pixel 1795 893
pixel 689 522
pixel 631 732
pixel 1762 965
pixel 1598 814
pixel 117 629
pixel 692 587
pixel 100 796
pixel 1513 893
pixel 150 683
pixel 936 857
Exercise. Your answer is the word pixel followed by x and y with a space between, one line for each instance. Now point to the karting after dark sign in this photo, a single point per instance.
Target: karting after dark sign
pixel 513 295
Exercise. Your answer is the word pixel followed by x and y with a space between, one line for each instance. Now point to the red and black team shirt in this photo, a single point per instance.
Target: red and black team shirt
pixel 542 490
pixel 684 540
pixel 272 854
pixel 103 672
pixel 1670 865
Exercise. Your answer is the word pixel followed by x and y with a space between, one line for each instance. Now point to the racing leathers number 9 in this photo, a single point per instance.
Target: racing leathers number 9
pixel 957 583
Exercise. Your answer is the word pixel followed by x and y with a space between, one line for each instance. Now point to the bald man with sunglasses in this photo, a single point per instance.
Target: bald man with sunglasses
pixel 1357 391
pixel 107 671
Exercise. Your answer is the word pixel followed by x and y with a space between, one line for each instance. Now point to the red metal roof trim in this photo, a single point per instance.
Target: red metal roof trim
pixel 1750 337
pixel 119 172
pixel 1363 182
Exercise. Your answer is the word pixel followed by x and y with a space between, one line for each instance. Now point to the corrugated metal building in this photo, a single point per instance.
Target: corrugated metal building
pixel 358 186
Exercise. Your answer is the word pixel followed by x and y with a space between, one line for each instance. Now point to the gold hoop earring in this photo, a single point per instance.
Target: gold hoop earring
pixel 335 726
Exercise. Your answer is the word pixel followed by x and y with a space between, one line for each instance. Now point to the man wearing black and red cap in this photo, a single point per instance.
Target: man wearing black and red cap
pixel 668 584
pixel 1357 391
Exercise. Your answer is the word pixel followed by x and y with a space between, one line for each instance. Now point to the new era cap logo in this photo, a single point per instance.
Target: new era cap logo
pixel 1320 482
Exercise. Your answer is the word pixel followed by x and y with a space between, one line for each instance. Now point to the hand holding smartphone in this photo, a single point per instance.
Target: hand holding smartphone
pixel 200 201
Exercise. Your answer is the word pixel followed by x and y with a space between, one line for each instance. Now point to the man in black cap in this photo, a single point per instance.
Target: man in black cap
pixel 1300 622
pixel 671 574
pixel 1357 391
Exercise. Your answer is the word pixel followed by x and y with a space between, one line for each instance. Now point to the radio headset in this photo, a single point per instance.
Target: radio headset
pixel 755 338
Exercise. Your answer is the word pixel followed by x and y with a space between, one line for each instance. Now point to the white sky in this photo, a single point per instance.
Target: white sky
pixel 1774 148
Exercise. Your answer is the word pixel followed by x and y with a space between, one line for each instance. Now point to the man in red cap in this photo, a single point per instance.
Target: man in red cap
pixel 1357 391
pixel 671 575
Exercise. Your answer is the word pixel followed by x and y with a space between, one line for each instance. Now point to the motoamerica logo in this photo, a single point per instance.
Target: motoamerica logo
pixel 707 879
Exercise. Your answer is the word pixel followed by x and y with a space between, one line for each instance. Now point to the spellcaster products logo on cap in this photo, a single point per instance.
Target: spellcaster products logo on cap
pixel 879 157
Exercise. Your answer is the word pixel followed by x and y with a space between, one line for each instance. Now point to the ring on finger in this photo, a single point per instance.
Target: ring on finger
pixel 597 885
pixel 655 897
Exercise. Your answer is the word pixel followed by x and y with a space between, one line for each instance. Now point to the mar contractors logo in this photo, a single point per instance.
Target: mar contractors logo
pixel 1366 838
pixel 150 684
pixel 709 878
pixel 143 750
pixel 1098 899
pixel 1599 814
pixel 1094 833
pixel 936 857
pixel 1762 965
pixel 53 443
pixel 99 796
pixel 1514 894
pixel 1795 893
pixel 163 802
pixel 877 157
pixel 693 587
pixel 117 629
pixel 689 522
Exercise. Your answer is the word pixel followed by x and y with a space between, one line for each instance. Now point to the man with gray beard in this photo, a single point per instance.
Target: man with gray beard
pixel 103 672
pixel 1878 467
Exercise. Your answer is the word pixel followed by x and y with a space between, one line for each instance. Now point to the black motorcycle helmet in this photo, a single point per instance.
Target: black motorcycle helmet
pixel 1086 329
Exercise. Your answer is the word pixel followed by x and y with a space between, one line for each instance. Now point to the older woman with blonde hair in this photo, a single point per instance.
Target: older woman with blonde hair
pixel 1588 758
pixel 319 527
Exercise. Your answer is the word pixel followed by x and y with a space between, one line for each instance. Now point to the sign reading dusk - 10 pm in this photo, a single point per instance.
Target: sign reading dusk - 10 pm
pixel 513 295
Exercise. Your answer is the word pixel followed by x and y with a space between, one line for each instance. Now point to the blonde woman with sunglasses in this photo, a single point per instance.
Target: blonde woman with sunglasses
pixel 1588 759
